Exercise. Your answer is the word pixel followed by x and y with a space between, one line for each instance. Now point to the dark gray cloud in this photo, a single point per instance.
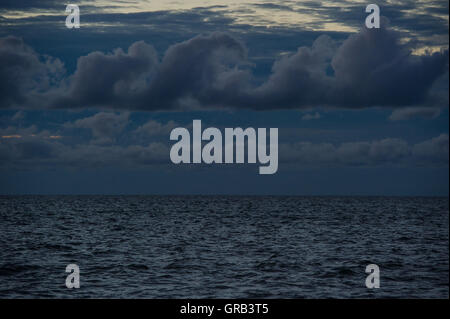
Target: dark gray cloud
pixel 409 113
pixel 53 6
pixel 204 71
pixel 370 68
pixel 32 4
pixel 389 150
pixel 155 128
pixel 109 79
pixel 311 116
pixel 24 151
pixel 385 151
pixel 24 74
pixel 104 126
pixel 375 69
pixel 434 150
pixel 29 147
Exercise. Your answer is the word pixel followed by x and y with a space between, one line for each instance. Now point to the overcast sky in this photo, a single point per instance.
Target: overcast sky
pixel 89 110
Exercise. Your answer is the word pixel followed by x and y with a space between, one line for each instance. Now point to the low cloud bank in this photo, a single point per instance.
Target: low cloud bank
pixel 370 68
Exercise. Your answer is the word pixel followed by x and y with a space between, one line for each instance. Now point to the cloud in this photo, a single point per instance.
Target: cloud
pixel 109 79
pixel 435 150
pixel 19 115
pixel 26 131
pixel 385 151
pixel 154 128
pixel 409 113
pixel 32 148
pixel 25 75
pixel 43 149
pixel 204 71
pixel 311 116
pixel 134 156
pixel 103 125
pixel 273 6
pixel 389 150
pixel 423 21
pixel 29 151
pixel 298 80
pixel 26 147
pixel 370 68
pixel 31 4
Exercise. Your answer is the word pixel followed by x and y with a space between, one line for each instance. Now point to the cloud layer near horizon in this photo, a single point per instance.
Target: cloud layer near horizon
pixel 147 145
pixel 370 68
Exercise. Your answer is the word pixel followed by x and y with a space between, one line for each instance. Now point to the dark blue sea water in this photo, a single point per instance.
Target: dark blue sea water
pixel 224 246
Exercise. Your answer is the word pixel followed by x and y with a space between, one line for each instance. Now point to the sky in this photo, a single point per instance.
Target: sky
pixel 90 110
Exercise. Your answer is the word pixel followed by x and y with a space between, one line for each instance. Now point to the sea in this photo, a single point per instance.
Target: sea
pixel 224 246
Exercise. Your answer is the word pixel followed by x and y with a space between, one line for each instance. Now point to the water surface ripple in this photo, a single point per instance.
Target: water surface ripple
pixel 223 246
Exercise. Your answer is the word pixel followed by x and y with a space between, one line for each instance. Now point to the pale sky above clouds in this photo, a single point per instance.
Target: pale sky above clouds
pixel 326 15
